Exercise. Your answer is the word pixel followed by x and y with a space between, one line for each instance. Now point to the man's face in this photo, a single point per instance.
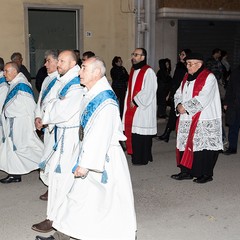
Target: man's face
pixel 65 63
pixel 9 72
pixel 193 65
pixel 87 73
pixel 137 56
pixel 51 64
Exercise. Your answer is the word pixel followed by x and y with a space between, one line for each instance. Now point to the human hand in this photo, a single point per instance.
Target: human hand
pixel 181 109
pixel 81 172
pixel 38 123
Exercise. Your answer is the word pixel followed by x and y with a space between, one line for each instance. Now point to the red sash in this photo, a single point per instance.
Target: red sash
pixel 131 111
pixel 187 157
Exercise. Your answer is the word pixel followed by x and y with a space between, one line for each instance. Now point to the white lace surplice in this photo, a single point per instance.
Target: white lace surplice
pixel 208 133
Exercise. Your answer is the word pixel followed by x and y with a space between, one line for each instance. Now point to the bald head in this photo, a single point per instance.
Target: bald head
pixel 11 70
pixel 66 60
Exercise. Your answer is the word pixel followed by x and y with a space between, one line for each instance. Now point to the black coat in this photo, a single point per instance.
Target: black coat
pixel 232 97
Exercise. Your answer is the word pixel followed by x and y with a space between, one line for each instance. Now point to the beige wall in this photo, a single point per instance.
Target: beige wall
pixel 112 30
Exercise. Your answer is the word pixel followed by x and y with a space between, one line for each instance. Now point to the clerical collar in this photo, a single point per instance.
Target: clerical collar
pixel 195 75
pixel 139 65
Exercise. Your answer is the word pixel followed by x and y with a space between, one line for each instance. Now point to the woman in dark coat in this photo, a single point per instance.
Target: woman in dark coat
pixel 119 77
pixel 164 84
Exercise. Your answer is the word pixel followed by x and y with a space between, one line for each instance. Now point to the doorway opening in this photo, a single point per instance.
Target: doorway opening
pixel 52 28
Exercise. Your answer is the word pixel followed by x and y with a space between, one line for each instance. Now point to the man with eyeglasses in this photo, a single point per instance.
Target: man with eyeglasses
pixel 139 118
pixel 199 127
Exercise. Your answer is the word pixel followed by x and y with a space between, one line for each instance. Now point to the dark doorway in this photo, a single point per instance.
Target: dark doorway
pixel 50 29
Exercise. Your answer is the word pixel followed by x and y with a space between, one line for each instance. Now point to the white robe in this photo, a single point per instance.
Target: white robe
pixel 48 133
pixel 145 119
pixel 208 133
pixel 94 210
pixel 63 113
pixel 3 93
pixel 3 90
pixel 29 147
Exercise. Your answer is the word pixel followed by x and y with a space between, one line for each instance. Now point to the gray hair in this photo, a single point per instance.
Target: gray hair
pixel 99 63
pixel 13 65
pixel 16 55
pixel 53 53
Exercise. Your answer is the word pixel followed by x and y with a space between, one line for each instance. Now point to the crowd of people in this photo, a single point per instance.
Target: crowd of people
pixel 74 133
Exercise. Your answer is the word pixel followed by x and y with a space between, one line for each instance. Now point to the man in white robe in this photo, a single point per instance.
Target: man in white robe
pixel 51 58
pixel 199 132
pixel 62 111
pixel 22 149
pixel 100 204
pixel 139 118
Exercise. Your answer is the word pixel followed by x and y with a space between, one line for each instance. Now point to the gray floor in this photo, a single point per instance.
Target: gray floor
pixel 166 209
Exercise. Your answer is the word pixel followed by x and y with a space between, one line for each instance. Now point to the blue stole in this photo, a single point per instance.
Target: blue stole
pixel 90 109
pixel 19 87
pixel 63 92
pixel 3 80
pixel 94 104
pixel 48 88
pixel 61 95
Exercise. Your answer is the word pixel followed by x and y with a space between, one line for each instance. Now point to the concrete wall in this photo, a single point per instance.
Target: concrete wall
pixel 113 29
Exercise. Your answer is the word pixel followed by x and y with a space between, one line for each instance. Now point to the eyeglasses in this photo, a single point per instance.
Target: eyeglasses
pixel 191 64
pixel 136 54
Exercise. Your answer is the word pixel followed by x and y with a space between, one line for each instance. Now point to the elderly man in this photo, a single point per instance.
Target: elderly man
pixel 61 111
pixel 17 58
pixel 100 203
pixel 139 118
pixel 199 130
pixel 51 61
pixel 22 149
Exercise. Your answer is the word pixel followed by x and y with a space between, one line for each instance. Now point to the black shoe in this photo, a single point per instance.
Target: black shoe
pixel 230 151
pixel 197 179
pixel 203 179
pixel 182 176
pixel 44 238
pixel 165 136
pixel 10 179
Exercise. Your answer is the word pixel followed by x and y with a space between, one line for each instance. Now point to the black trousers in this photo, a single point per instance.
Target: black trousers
pixel 172 119
pixel 203 163
pixel 142 149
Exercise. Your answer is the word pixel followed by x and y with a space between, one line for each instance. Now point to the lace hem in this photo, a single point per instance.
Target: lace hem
pixel 208 135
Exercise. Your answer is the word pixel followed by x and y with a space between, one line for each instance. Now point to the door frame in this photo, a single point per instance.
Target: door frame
pixel 79 23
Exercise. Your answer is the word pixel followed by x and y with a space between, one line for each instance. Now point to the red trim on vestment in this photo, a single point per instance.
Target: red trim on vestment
pixel 129 115
pixel 187 157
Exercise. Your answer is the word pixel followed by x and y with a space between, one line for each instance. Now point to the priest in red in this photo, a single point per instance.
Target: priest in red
pixel 199 125
pixel 139 119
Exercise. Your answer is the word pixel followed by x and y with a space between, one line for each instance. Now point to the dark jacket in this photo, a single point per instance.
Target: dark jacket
pixel 232 96
pixel 119 77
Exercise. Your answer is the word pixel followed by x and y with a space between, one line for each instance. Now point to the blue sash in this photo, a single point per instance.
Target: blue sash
pixel 48 88
pixel 74 81
pixel 3 80
pixel 19 87
pixel 87 114
pixel 94 104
